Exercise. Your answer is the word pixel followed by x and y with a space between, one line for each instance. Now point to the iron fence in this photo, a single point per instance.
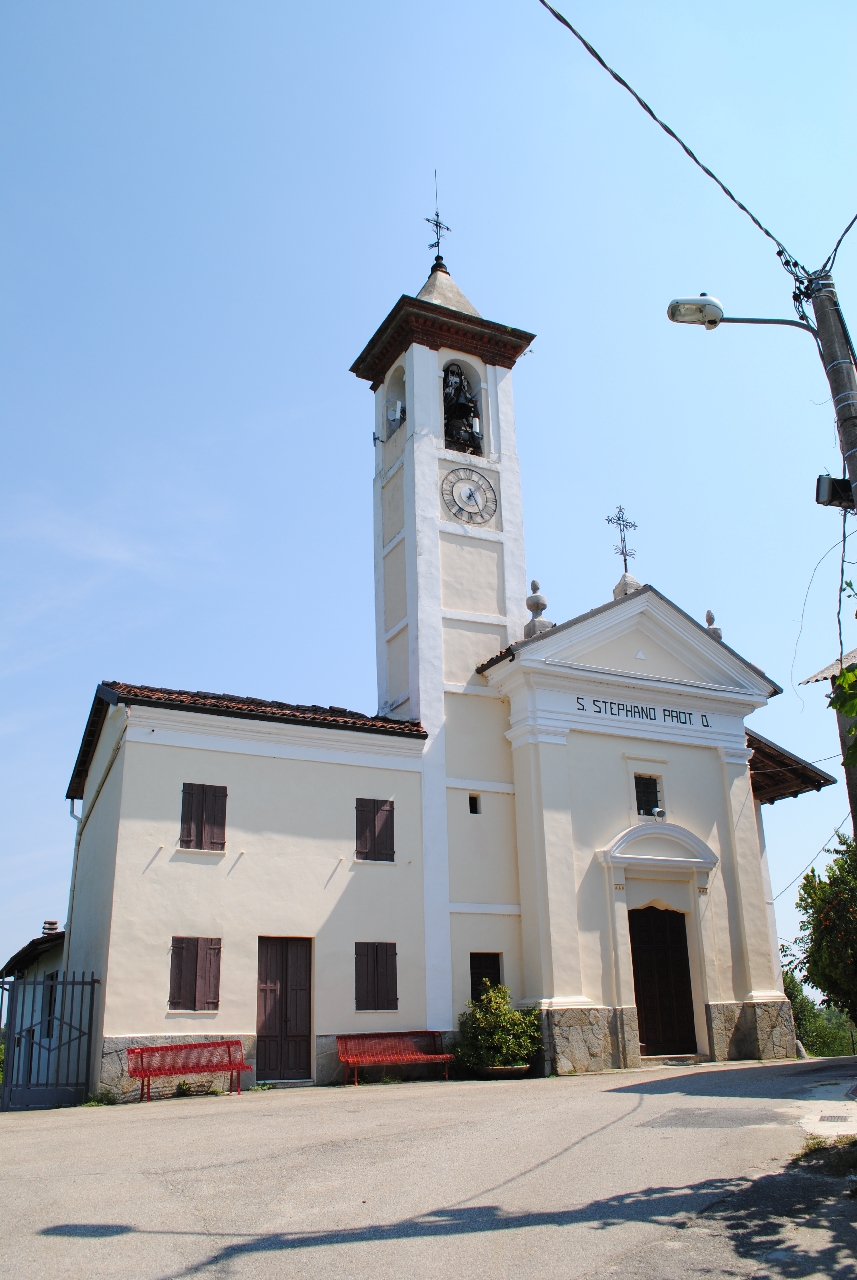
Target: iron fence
pixel 48 1040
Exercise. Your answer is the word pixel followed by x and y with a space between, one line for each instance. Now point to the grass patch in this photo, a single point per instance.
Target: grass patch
pixel 835 1157
pixel 103 1098
pixel 259 1088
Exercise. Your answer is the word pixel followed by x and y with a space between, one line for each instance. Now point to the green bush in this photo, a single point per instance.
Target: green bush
pixel 824 1033
pixel 494 1034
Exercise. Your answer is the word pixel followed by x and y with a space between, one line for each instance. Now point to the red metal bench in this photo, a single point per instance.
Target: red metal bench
pixel 380 1048
pixel 209 1057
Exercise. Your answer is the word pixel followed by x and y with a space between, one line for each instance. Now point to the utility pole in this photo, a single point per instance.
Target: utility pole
pixel 838 359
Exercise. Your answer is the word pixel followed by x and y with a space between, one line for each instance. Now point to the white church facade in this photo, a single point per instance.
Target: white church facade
pixel 573 810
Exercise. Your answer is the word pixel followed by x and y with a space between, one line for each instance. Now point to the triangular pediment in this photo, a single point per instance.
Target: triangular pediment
pixel 646 637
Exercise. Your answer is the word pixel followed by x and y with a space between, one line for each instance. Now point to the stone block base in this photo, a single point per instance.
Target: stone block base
pixel 114 1078
pixel 591 1039
pixel 750 1029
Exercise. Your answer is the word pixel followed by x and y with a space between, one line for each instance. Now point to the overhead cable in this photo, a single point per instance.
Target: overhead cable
pixel 823 849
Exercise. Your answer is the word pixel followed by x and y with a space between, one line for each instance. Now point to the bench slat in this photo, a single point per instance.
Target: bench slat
pixel 208 1057
pixel 393 1047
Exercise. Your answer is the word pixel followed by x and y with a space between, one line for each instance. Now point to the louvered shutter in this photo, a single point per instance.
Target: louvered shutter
pixel 214 819
pixel 192 806
pixel 207 995
pixel 183 966
pixel 365 842
pixel 384 847
pixel 387 995
pixel 364 961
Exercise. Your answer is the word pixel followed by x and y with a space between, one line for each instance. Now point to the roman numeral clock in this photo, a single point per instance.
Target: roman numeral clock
pixel 469 495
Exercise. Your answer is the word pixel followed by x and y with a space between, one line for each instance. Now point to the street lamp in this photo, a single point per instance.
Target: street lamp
pixel 709 313
pixel 834 347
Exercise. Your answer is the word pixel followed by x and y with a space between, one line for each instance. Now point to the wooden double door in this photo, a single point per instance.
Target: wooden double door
pixel 284 1009
pixel 662 981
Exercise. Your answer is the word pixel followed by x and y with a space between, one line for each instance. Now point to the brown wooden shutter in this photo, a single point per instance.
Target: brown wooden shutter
pixel 387 994
pixel 384 847
pixel 364 961
pixel 183 966
pixel 207 994
pixel 214 819
pixel 365 844
pixel 192 805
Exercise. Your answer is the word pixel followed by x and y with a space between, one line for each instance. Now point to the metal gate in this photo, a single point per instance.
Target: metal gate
pixel 48 1039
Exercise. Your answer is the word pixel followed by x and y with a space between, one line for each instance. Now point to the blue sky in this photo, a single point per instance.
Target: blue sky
pixel 208 208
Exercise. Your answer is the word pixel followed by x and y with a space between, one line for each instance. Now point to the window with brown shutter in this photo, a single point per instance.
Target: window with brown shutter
pixel 375 982
pixel 195 974
pixel 375 841
pixel 203 824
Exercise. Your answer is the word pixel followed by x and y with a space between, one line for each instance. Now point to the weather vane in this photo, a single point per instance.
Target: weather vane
pixel 440 228
pixel 623 525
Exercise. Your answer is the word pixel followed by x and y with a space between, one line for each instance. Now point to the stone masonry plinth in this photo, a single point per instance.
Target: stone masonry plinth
pixel 750 1029
pixel 592 1039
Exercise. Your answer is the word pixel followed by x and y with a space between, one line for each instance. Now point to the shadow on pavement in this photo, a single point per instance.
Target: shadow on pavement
pixel 749 1082
pixel 756 1218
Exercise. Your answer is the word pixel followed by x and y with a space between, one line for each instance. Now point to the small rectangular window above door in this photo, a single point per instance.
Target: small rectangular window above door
pixel 374 842
pixel 647 796
pixel 195 974
pixel 483 964
pixel 375 983
pixel 203 823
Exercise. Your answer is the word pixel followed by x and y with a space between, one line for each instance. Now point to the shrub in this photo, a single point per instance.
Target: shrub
pixel 824 1033
pixel 494 1034
pixel 184 1089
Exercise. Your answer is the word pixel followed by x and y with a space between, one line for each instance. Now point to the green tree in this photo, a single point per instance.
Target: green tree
pixel 844 698
pixel 826 952
pixel 824 1033
pixel 494 1034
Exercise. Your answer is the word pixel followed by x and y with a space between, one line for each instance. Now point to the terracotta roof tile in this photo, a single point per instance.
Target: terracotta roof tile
pixel 223 704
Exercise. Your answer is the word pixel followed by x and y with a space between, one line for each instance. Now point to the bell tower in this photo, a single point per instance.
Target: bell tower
pixel 450 582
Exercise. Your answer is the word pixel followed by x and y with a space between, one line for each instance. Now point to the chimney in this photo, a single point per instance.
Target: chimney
pixel 49 927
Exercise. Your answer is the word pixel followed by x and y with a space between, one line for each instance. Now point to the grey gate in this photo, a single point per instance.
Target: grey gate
pixel 48 1039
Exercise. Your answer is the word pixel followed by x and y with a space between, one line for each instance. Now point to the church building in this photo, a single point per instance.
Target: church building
pixel 573 810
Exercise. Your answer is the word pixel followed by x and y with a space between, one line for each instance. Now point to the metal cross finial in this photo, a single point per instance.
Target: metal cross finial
pixel 439 227
pixel 623 525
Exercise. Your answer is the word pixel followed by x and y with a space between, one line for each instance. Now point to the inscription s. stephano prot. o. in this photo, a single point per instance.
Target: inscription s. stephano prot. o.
pixel 636 711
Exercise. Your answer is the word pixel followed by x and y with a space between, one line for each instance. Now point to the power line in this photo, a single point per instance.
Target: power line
pixel 822 850
pixel 790 263
pixel 672 133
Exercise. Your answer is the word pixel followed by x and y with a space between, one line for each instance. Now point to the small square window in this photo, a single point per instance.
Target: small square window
pixel 647 794
pixel 475 804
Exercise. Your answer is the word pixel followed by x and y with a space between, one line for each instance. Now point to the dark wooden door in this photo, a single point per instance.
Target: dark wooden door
pixel 662 981
pixel 283 1009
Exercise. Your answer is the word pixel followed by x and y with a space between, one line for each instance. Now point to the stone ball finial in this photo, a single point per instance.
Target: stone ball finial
pixel 713 631
pixel 536 603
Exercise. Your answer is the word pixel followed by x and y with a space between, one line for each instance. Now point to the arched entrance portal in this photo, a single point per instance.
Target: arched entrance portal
pixel 662 989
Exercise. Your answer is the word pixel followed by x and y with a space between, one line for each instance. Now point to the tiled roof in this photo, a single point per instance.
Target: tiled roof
pixel 31 951
pixel 832 668
pixel 111 692
pixel 776 774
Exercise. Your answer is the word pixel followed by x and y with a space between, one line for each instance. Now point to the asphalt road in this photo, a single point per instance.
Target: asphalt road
pixel 649 1175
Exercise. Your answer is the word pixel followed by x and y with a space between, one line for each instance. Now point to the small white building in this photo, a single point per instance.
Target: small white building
pixel 572 811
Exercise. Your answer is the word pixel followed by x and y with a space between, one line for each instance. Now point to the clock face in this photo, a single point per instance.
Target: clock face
pixel 468 495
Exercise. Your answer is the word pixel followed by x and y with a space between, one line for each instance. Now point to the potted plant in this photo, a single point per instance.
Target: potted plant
pixel 498 1040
